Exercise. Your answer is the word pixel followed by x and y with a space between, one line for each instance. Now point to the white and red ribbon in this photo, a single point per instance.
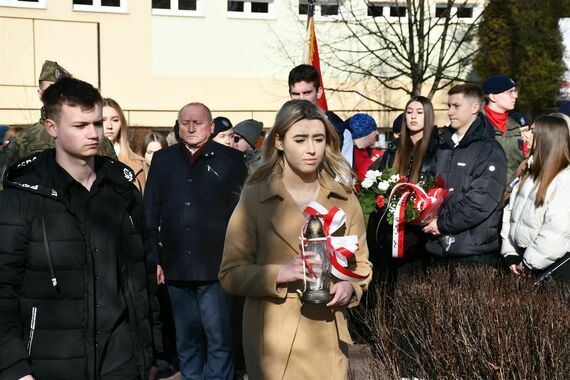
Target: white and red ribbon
pixel 341 248
pixel 427 203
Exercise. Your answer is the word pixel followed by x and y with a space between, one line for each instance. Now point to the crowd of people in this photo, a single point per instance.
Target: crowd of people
pixel 122 262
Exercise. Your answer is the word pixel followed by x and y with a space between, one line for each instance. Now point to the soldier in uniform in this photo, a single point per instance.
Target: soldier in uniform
pixel 35 138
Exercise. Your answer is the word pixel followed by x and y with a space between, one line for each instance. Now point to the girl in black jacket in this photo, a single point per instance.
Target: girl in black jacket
pixel 410 155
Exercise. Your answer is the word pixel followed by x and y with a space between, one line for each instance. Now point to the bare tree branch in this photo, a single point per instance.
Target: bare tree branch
pixel 428 45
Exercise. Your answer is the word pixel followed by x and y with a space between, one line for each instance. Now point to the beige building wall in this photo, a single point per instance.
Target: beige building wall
pixel 154 64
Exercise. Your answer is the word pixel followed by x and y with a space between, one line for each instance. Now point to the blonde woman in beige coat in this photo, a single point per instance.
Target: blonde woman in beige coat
pixel 282 338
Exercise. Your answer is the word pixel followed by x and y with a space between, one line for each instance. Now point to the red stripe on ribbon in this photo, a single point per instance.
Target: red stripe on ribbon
pixel 398 228
pixel 328 220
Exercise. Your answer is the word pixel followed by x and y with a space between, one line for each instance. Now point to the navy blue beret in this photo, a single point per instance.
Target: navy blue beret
pixel 497 84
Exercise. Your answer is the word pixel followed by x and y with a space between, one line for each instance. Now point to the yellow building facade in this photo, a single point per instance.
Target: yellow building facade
pixel 154 56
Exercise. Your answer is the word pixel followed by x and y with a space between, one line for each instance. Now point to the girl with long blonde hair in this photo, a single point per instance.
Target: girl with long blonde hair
pixel 300 163
pixel 116 130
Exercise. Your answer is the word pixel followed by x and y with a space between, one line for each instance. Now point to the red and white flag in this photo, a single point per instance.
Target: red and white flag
pixel 311 53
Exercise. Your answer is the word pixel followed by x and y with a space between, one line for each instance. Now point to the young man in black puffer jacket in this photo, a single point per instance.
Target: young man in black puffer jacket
pixel 76 286
pixel 474 168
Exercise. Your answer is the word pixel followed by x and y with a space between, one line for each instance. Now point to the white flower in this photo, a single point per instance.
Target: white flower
pixel 383 185
pixel 394 178
pixel 367 183
pixel 371 174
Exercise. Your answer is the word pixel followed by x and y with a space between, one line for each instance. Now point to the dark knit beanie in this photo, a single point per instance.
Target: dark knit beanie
pixel 250 130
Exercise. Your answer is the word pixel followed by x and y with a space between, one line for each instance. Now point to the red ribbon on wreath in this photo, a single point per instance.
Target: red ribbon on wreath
pixel 341 248
pixel 428 203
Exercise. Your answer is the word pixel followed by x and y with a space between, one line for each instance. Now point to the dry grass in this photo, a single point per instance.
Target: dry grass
pixel 470 324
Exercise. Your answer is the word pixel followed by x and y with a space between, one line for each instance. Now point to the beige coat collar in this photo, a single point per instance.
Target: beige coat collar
pixel 288 219
pixel 275 187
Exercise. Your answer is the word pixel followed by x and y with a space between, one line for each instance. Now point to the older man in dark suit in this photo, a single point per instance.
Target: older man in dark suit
pixel 192 189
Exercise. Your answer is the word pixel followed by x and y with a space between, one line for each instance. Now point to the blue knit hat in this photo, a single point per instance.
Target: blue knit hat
pixel 497 84
pixel 361 125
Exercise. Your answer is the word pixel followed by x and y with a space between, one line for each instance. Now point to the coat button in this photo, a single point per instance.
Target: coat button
pixel 95 250
pixel 187 228
pixel 189 180
pixel 188 251
pixel 186 203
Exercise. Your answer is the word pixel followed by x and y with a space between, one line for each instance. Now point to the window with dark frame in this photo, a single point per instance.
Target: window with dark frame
pixel 375 10
pixel 103 3
pixel 187 5
pixel 236 6
pixel 441 10
pixel 329 10
pixel 259 7
pixel 183 5
pixel 465 12
pixel 327 7
pixel 161 4
pixel 397 11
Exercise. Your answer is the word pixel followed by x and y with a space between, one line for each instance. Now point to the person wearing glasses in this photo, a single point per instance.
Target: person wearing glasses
pixel 500 99
pixel 246 134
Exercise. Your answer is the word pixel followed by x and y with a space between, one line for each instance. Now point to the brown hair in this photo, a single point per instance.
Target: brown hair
pixel 153 136
pixel 271 163
pixel 407 150
pixel 550 152
pixel 304 73
pixel 469 90
pixel 125 153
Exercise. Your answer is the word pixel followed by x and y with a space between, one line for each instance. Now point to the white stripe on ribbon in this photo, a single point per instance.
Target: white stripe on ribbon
pixel 341 247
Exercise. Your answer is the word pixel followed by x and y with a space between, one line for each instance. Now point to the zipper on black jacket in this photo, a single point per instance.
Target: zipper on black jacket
pixel 32 329
pixel 46 247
